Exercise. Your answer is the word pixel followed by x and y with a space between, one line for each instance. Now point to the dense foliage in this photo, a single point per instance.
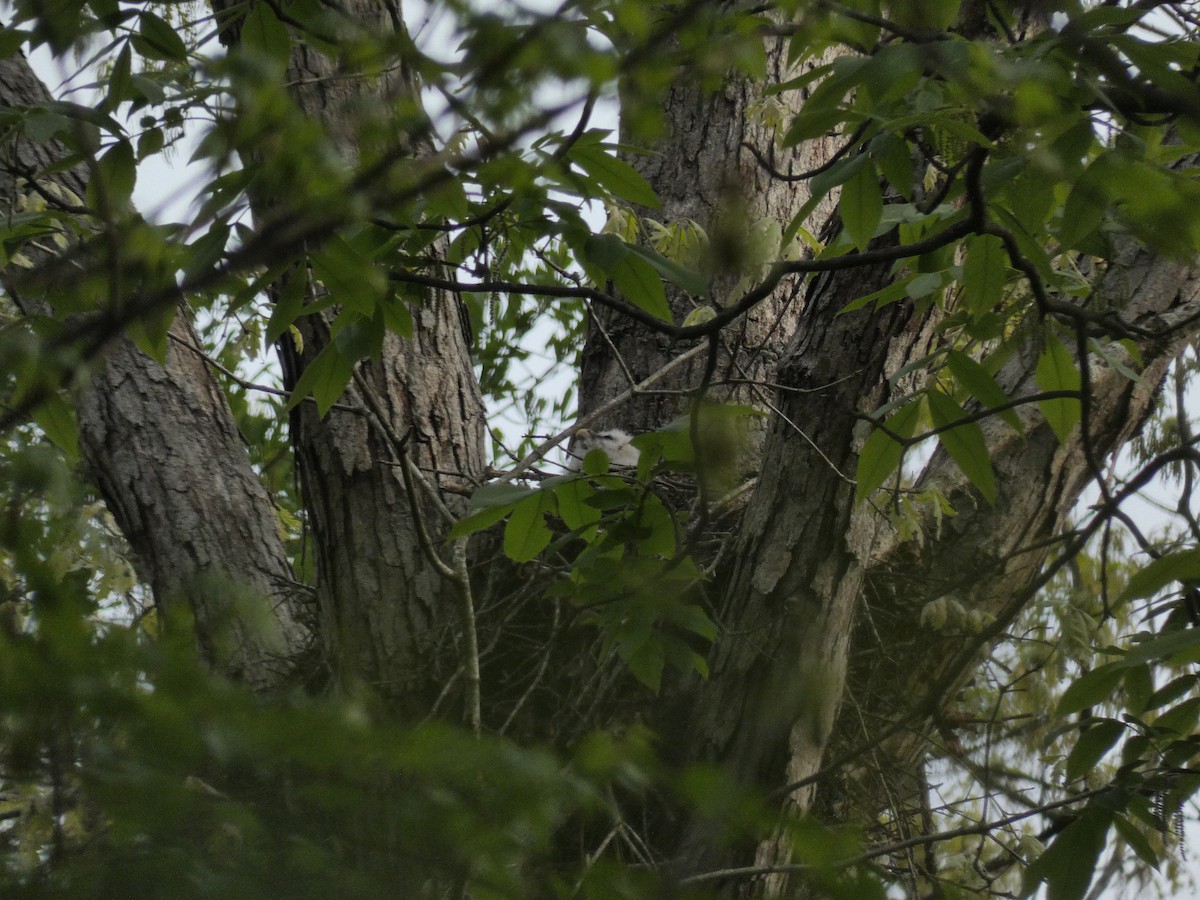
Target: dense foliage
pixel 1021 183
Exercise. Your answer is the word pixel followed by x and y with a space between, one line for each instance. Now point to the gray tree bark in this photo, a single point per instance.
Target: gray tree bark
pixel 789 598
pixel 795 641
pixel 391 621
pixel 163 448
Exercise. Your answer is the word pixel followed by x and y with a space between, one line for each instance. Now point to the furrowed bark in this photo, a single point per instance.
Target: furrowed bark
pixel 161 443
pixel 390 618
pixel 789 609
pixel 707 169
pixel 789 602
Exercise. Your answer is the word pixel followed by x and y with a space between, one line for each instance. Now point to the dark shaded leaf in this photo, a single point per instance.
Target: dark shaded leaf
pixel 964 443
pixel 526 534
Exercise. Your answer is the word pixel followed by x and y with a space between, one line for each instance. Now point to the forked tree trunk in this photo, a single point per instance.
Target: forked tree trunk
pixel 789 595
pixel 794 640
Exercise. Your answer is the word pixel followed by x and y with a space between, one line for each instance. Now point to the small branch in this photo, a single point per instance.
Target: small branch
pixel 976 416
pixel 749 300
pixel 251 385
pixel 888 849
pixel 768 164
pixel 545 447
pixel 625 370
pixel 537 676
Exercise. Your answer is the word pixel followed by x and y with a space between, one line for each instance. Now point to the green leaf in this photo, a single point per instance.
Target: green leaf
pixel 151 141
pixel 289 304
pixel 1085 206
pixel 56 111
pixel 683 658
pixel 1068 866
pixel 862 206
pixel 892 72
pixel 116 177
pixel 1056 371
pixel 573 508
pixel 478 521
pixel 1092 745
pixel 813 122
pixel 1090 689
pixel 612 174
pixel 884 296
pixel 11 40
pixel 1161 647
pixel 699 316
pixel 923 285
pixel 646 660
pixel 499 493
pixel 158 40
pixel 324 379
pixel 692 282
pixel 1182 565
pixel 264 34
pixel 1029 246
pixel 657 529
pixel 526 534
pixel 634 277
pixel 964 443
pixel 1132 835
pixel 207 250
pixel 712 413
pixel 1170 692
pixel 893 156
pixel 639 283
pixel 1180 719
pixel 396 315
pixel 604 250
pixel 881 455
pixel 694 619
pixel 148 89
pixel 800 81
pixel 1112 357
pixel 350 277
pixel 119 82
pixel 595 462
pixel 837 174
pixel 1139 688
pixel 984 272
pixel 149 333
pixel 981 385
pixel 56 417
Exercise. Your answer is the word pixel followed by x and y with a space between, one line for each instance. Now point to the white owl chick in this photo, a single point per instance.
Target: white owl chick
pixel 614 442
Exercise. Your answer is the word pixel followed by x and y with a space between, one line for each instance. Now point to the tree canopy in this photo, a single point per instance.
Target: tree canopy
pixel 598 449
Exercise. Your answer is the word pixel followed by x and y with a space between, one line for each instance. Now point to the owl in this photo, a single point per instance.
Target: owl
pixel 614 442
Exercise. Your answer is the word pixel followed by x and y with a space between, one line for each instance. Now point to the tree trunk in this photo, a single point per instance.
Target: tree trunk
pixel 162 446
pixel 383 473
pixel 707 169
pixel 391 620
pixel 992 556
pixel 793 643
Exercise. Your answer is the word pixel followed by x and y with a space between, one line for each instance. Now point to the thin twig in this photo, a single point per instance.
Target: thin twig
pixel 248 385
pixel 535 455
pixel 888 849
